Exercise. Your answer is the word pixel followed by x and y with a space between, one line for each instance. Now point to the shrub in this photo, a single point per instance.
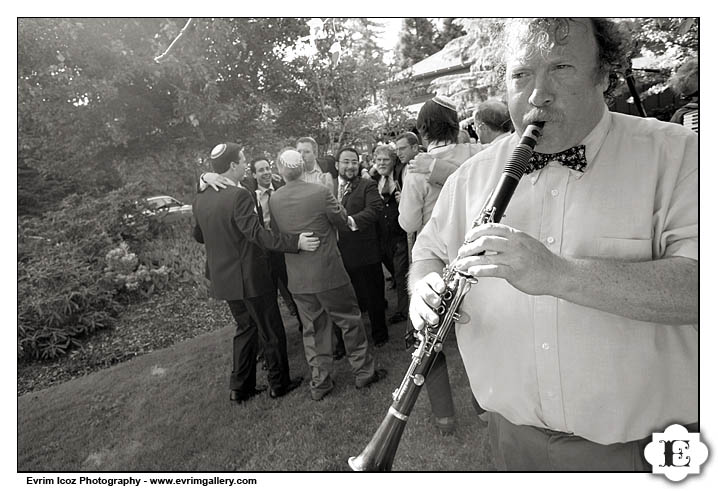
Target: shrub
pixel 60 298
pixel 127 276
pixel 66 288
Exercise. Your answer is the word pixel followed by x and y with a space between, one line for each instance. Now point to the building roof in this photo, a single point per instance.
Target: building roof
pixel 440 62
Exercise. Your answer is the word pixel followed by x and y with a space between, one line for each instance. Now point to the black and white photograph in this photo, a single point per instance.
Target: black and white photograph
pixel 279 250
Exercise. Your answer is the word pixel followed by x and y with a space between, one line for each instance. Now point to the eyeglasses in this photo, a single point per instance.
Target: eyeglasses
pixel 347 162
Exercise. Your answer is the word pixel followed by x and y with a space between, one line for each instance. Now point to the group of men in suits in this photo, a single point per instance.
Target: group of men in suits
pixel 311 207
pixel 236 243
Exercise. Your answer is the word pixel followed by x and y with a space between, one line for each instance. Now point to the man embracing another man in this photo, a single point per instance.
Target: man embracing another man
pixel 228 225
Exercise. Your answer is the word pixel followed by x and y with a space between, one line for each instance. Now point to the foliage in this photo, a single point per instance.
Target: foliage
pixel 79 264
pixel 125 273
pixel 420 39
pixel 449 30
pixel 417 41
pixel 92 102
pixel 663 44
pixel 343 70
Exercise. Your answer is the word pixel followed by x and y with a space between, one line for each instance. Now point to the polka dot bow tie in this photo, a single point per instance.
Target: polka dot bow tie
pixel 573 158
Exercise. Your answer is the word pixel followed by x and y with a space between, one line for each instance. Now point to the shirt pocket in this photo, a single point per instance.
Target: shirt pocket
pixel 625 249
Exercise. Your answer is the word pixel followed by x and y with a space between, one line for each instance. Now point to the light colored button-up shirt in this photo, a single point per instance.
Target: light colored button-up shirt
pixel 316 176
pixel 263 200
pixel 419 194
pixel 546 362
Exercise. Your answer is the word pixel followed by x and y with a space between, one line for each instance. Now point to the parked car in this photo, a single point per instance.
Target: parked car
pixel 168 209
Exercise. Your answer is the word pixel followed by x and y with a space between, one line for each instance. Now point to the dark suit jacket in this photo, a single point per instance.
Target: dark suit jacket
pixel 389 228
pixel 228 225
pixel 307 207
pixel 363 203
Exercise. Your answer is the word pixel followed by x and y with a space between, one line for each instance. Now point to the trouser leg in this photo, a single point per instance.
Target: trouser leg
pixel 244 349
pixel 527 448
pixel 401 267
pixel 265 312
pixel 368 282
pixel 438 388
pixel 317 339
pixel 341 303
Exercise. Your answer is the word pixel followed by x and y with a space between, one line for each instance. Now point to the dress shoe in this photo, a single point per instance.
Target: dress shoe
pixel 283 391
pixel 239 397
pixel 318 395
pixel 446 425
pixel 379 374
pixel 396 318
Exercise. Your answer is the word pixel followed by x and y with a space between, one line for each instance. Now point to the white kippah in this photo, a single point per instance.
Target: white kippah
pixel 291 159
pixel 218 150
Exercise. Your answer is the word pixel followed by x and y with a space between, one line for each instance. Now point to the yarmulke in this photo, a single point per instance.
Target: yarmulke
pixel 445 102
pixel 291 159
pixel 223 155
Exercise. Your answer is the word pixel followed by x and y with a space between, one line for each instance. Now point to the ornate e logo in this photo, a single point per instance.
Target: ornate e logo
pixel 676 453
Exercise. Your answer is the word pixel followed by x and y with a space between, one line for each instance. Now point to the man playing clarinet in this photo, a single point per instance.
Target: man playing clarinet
pixel 580 336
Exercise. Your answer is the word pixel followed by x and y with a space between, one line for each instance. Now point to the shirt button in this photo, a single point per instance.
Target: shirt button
pixel 546 346
pixel 554 192
pixel 550 240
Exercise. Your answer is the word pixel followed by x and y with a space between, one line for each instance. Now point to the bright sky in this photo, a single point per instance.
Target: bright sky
pixel 389 38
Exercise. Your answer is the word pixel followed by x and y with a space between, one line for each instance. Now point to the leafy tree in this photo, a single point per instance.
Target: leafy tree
pixel 418 40
pixel 449 30
pixel 342 75
pixel 94 104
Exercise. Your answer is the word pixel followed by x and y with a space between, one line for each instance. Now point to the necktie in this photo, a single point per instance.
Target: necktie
pixel 343 190
pixel 386 186
pixel 573 158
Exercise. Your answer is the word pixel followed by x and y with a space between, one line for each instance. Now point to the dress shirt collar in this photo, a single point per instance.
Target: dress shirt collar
pixel 263 190
pixel 596 137
pixel 593 142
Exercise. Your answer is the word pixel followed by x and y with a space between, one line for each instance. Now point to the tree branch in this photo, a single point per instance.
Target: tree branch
pixel 160 58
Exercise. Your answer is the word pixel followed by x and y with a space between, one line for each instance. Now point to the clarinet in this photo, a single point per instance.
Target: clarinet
pixel 379 453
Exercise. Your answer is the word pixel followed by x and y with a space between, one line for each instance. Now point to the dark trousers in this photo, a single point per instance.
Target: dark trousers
pixel 438 388
pixel 278 270
pixel 368 283
pixel 398 254
pixel 258 319
pixel 528 448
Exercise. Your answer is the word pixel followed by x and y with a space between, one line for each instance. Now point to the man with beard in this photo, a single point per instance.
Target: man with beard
pixel 395 255
pixel 360 247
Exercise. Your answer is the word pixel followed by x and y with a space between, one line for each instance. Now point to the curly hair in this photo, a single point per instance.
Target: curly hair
pixel 544 33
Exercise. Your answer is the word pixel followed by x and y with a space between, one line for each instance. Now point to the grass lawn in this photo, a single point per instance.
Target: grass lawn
pixel 169 410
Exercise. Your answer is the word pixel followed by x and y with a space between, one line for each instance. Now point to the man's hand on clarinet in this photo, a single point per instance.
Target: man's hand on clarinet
pixel 513 255
pixel 424 299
